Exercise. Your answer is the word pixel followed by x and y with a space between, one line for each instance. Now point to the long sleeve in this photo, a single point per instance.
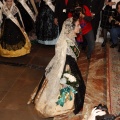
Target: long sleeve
pixel 88 16
pixel 117 18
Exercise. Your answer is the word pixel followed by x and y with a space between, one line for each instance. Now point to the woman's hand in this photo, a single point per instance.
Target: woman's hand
pixel 67 68
pixel 56 21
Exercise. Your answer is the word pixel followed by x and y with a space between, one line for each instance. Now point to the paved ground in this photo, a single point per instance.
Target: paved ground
pixel 18 78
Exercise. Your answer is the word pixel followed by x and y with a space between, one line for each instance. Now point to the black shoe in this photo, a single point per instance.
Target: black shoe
pixel 113 45
pixel 103 44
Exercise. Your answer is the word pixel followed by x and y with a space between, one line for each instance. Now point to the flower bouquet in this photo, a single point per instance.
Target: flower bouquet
pixel 69 85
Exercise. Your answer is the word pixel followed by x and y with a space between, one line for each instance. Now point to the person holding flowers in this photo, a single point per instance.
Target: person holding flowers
pixel 62 88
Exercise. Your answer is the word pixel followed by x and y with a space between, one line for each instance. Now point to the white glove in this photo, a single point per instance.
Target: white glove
pixel 96 112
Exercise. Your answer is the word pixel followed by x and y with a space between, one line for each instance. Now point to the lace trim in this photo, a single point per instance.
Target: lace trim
pixel 13 47
pixel 72 49
pixel 13 10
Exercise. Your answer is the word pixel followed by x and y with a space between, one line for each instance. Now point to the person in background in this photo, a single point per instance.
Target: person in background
pixel 101 112
pixel 14 41
pixel 62 88
pixel 86 28
pixel 46 31
pixel 95 7
pixel 62 11
pixel 106 13
pixel 115 30
pixel 95 112
pixel 28 12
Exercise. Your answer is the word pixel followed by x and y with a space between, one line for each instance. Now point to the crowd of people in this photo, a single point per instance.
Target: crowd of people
pixel 46 17
pixel 111 22
pixel 62 23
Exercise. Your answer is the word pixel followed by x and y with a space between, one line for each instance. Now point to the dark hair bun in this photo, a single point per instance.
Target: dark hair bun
pixel 76 12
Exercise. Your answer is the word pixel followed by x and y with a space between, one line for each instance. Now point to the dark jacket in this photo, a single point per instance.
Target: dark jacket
pixel 116 18
pixel 60 6
pixel 94 5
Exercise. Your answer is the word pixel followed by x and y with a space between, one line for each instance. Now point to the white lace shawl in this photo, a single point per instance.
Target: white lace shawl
pixel 55 68
pixel 69 50
pixel 13 11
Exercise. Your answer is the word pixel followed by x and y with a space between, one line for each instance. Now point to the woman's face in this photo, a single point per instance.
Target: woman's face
pixel 77 27
pixel 9 2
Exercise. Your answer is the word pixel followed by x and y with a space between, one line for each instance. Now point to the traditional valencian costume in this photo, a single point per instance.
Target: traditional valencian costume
pixel 62 89
pixel 46 30
pixel 14 41
pixel 28 12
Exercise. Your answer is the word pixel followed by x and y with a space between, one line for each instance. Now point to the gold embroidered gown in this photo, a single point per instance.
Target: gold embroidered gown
pixel 14 42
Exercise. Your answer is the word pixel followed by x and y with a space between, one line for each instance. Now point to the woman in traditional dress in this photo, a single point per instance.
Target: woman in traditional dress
pixel 14 41
pixel 46 30
pixel 28 12
pixel 62 89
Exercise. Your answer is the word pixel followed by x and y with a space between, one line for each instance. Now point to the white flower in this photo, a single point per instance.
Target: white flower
pixel 70 77
pixel 63 80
